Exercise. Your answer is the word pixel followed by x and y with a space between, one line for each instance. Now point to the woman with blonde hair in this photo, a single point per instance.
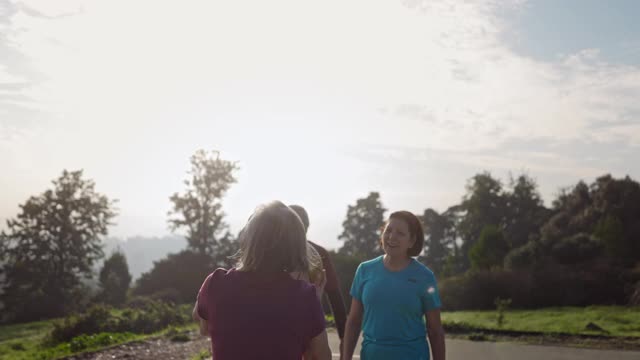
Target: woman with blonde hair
pixel 259 310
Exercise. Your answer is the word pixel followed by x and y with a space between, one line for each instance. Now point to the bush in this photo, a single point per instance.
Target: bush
pixel 490 249
pixel 92 322
pixel 523 257
pixel 114 279
pixel 176 278
pixel 17 346
pixel 83 342
pixel 576 249
pixel 150 317
pixel 546 285
pixel 479 289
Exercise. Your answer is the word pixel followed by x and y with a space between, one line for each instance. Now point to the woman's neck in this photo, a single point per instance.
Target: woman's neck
pixel 396 263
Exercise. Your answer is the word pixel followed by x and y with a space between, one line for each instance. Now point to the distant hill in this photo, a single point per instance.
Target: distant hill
pixel 141 252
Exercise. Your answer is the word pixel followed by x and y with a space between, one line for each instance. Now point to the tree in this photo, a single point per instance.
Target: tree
pixel 617 202
pixel 53 242
pixel 440 239
pixel 575 249
pixel 608 211
pixel 489 251
pixel 199 208
pixel 176 277
pixel 524 211
pixel 362 228
pixel 483 204
pixel 572 214
pixel 115 279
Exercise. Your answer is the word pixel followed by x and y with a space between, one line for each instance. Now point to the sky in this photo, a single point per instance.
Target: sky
pixel 319 102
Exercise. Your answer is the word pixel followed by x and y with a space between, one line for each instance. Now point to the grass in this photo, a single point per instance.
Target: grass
pixel 202 355
pixel 616 321
pixel 27 341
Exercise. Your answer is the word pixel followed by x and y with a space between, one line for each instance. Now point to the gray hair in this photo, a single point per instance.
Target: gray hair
pixel 273 240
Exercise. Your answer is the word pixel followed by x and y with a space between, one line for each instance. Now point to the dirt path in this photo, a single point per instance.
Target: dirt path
pixel 457 349
pixel 152 349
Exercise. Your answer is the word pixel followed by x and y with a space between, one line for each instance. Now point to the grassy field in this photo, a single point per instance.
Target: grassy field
pixel 614 320
pixel 27 341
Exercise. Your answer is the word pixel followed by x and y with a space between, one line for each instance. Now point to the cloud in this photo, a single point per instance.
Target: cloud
pixel 432 80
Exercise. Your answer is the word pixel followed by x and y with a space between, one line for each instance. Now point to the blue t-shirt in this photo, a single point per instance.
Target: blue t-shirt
pixel 394 306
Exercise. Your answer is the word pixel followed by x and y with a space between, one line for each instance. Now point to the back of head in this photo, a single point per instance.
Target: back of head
pixel 302 214
pixel 273 240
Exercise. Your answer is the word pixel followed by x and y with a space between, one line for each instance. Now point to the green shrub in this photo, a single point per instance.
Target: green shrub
pixel 202 355
pixel 150 317
pixel 84 342
pixel 180 338
pixel 479 289
pixel 546 285
pixel 17 346
pixel 501 306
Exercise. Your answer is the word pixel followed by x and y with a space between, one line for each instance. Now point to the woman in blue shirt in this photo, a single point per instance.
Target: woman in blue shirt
pixel 390 296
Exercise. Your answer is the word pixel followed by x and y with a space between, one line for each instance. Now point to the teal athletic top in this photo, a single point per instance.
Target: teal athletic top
pixel 394 304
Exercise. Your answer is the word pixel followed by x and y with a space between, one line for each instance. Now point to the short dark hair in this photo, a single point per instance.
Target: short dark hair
pixel 415 230
pixel 302 214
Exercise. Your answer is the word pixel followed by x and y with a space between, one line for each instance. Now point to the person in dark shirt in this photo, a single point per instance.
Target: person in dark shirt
pixel 332 287
pixel 259 310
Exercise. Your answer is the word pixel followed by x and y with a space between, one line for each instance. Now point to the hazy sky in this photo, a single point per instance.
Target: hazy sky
pixel 320 102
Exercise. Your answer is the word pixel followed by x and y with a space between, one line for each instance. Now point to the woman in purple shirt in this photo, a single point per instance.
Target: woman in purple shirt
pixel 258 310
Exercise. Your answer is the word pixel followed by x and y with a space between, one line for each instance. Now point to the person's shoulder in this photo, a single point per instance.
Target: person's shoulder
pixel 218 274
pixel 369 264
pixel 300 286
pixel 221 272
pixel 321 250
pixel 423 270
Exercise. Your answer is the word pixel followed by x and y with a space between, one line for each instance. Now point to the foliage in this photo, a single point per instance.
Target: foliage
pixel 611 233
pixel 548 284
pixel 482 205
pixel 524 212
pixel 114 279
pixel 440 241
pixel 576 249
pixel 152 317
pixel 345 266
pixel 202 355
pixel 176 278
pixel 523 257
pixel 199 208
pixel 53 242
pixel 618 320
pixel 490 249
pixel 501 306
pixel 362 228
pixel 83 342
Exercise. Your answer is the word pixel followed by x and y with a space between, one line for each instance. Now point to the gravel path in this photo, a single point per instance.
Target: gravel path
pixel 152 349
pixel 457 349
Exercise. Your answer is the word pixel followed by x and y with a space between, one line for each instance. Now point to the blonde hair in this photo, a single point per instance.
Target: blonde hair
pixel 273 240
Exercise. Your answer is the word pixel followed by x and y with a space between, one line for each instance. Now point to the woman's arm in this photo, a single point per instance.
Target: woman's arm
pixel 201 322
pixel 435 332
pixel 352 329
pixel 318 348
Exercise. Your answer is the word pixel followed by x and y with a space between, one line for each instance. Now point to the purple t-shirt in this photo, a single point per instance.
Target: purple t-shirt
pixel 259 316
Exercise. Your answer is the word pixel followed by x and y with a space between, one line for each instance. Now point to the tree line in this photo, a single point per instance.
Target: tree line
pixel 500 240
